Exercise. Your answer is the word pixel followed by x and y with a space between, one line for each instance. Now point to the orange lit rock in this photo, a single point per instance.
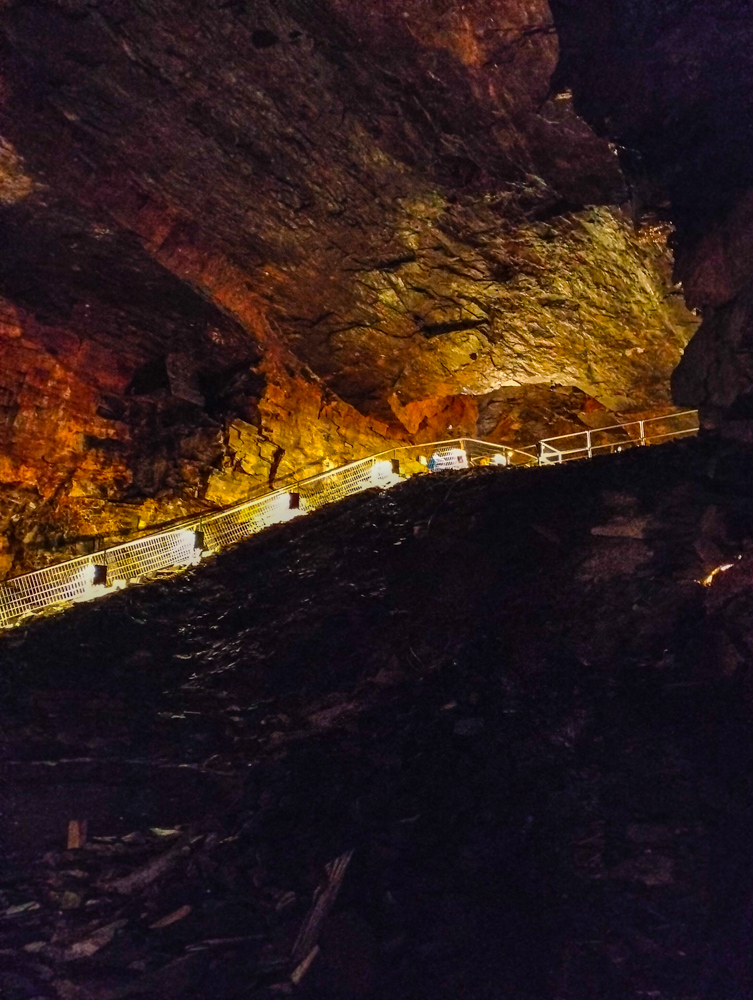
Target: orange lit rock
pixel 437 417
pixel 302 431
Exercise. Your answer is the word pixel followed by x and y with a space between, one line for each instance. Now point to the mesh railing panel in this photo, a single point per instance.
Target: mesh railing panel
pixel 241 522
pixel 337 484
pixel 230 527
pixel 80 579
pixel 68 581
pixel 142 556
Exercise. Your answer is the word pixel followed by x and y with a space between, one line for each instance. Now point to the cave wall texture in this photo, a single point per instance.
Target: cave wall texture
pixel 242 239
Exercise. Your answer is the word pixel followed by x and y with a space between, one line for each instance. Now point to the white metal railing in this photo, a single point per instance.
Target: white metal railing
pixel 618 437
pixel 100 573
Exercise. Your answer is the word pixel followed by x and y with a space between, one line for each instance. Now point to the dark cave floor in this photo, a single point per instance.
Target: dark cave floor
pixel 506 692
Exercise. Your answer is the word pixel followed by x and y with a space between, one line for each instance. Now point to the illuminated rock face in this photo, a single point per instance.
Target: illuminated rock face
pixel 82 456
pixel 247 241
pixel 300 431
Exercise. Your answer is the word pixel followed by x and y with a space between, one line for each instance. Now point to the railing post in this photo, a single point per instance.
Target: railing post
pixel 588 444
pixel 642 432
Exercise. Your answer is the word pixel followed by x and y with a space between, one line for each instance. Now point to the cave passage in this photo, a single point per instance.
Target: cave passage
pixel 244 244
pixel 486 733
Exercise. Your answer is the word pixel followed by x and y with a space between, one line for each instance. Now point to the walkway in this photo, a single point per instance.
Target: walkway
pixel 136 561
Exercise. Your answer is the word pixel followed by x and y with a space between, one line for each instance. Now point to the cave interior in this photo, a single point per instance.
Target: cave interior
pixel 482 735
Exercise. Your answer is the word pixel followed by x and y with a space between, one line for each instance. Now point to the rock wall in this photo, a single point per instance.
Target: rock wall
pixel 302 429
pixel 265 237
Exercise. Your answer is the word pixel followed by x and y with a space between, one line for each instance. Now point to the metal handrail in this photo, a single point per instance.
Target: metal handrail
pixel 555 451
pixel 174 549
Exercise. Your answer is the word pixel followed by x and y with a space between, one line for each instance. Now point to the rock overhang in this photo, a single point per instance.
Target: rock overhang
pixel 394 210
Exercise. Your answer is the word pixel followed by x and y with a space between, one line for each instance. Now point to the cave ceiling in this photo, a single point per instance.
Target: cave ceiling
pixel 237 237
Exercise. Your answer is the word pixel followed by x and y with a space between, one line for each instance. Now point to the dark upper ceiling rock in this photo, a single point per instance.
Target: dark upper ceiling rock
pixel 371 211
pixel 670 81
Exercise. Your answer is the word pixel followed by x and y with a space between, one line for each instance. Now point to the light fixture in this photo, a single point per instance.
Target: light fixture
pixel 282 507
pixel 190 546
pixel 92 579
pixel 708 580
pixel 385 473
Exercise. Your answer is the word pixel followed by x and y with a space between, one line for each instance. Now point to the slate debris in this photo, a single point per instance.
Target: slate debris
pixel 540 774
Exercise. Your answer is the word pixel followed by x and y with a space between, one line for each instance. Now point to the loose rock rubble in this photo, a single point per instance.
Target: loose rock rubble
pixel 508 755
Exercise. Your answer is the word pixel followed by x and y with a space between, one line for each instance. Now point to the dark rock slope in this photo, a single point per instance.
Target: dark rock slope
pixel 507 693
